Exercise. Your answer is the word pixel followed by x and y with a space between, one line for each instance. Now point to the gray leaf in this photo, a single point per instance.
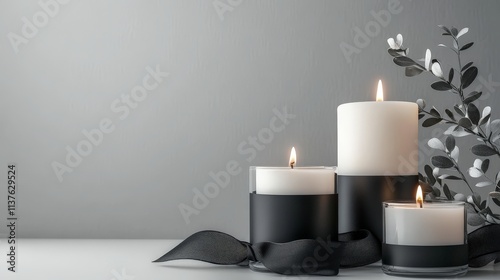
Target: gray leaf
pixel 483 184
pixel 483 150
pixel 442 162
pixel 450 143
pixel 430 122
pixel 473 113
pixel 469 76
pixel 475 220
pixel 436 144
pixel 441 86
pixel 403 61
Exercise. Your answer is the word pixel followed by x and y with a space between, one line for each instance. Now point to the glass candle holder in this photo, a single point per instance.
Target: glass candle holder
pixel 425 241
pixel 291 204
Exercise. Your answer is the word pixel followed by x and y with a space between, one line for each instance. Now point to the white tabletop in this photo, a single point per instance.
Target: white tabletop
pixel 71 259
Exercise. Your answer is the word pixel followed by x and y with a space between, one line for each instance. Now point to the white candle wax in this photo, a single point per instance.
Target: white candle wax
pixel 436 224
pixel 296 181
pixel 378 138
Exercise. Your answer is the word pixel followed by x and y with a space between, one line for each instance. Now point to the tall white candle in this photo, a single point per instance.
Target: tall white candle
pixel 296 180
pixel 378 138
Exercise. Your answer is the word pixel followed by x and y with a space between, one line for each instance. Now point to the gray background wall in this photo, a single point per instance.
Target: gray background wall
pixel 227 74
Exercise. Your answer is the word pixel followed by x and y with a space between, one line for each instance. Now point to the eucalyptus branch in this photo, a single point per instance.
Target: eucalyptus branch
pixel 469 121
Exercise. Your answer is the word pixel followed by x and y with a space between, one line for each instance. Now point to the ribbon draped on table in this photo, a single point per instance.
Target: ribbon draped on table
pixel 313 256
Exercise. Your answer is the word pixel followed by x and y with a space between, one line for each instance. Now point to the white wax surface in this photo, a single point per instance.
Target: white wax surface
pixel 429 226
pixel 297 181
pixel 377 138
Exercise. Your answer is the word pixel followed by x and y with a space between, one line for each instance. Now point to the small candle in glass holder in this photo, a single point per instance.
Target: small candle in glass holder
pixel 424 238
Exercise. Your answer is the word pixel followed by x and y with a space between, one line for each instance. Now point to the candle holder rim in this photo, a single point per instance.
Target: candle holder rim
pixel 444 203
pixel 380 102
pixel 296 167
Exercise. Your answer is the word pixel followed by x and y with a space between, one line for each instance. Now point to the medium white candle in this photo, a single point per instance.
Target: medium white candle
pixel 296 180
pixel 435 224
pixel 378 138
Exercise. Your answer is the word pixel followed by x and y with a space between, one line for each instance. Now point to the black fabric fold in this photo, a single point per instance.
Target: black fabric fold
pixel 305 256
pixel 484 246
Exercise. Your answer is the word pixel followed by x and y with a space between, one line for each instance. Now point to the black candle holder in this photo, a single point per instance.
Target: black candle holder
pixel 285 218
pixel 361 197
pixel 282 218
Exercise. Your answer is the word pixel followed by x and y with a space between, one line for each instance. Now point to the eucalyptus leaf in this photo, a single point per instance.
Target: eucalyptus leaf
pixel 420 116
pixel 478 163
pixel 496 201
pixel 449 177
pixel 395 53
pixel 473 96
pixel 485 165
pixel 450 129
pixel 460 197
pixel 466 66
pixel 476 198
pixel 484 119
pixel 483 150
pixel 469 76
pixel 421 103
pixel 465 123
pixel 450 143
pixel 483 184
pixel 459 110
pixel 403 61
pixel 442 162
pixel 431 121
pixel 450 114
pixel 447 192
pixel 450 75
pixel 441 86
pixel 495 126
pixel 436 144
pixel 462 32
pixel 473 113
pixel 435 112
pixel 474 172
pixel 466 46
pixel 459 132
pixel 444 28
pixel 475 220
pixel 454 31
pixel 430 176
pixel 411 71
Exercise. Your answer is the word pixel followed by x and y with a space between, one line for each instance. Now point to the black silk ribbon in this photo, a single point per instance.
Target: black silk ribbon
pixel 313 257
pixel 305 256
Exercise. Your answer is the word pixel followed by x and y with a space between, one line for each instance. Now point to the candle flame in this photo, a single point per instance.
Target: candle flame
pixel 380 91
pixel 420 198
pixel 293 158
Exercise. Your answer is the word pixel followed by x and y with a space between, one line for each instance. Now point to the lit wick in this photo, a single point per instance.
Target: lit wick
pixel 420 198
pixel 293 158
pixel 380 92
